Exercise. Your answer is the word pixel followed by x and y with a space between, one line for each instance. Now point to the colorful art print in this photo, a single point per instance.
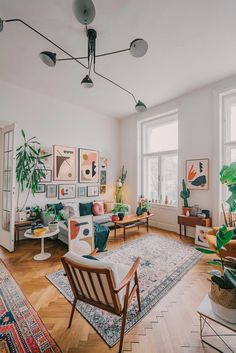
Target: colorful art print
pixel 64 163
pixel 51 191
pixel 66 191
pixel 40 189
pixel 103 163
pixel 81 191
pixel 197 174
pixel 103 177
pixel 103 189
pixel 47 160
pixel 81 238
pixel 88 166
pixel 48 176
pixel 200 236
pixel 92 191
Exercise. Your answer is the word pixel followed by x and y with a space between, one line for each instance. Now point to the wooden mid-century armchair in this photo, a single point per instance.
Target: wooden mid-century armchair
pixel 105 285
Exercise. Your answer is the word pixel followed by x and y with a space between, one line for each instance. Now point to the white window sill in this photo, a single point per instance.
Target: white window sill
pixel 163 206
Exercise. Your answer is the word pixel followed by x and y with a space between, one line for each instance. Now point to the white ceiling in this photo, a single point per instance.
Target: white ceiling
pixel 191 43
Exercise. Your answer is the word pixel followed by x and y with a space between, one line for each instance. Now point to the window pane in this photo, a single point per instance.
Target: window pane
pixel 150 173
pixel 232 128
pixel 162 137
pixel 169 173
pixel 233 155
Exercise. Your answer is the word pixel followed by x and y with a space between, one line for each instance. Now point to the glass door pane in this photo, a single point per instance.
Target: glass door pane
pixel 151 178
pixel 169 173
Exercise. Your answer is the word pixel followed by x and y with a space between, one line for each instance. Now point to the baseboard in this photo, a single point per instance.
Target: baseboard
pixel 164 226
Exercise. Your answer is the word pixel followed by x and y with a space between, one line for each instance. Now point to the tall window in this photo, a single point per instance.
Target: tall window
pixel 159 159
pixel 229 128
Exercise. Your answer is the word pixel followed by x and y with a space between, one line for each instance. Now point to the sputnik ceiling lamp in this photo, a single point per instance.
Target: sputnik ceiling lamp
pixel 84 11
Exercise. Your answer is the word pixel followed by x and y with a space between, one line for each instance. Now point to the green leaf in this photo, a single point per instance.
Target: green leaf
pixel 23 133
pixel 215 263
pixel 218 280
pixel 206 251
pixel 230 278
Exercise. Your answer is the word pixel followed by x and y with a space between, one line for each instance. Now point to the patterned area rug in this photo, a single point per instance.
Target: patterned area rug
pixel 21 330
pixel 163 262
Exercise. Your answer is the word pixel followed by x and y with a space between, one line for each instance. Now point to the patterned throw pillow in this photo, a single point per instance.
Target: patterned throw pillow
pixel 98 208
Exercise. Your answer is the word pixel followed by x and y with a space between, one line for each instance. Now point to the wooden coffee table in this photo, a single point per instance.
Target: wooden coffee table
pixel 131 221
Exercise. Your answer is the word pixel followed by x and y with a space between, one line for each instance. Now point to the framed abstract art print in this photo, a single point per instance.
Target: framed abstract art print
pixel 64 163
pixel 88 166
pixel 197 174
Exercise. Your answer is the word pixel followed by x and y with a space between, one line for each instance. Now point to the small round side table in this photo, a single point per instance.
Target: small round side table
pixel 42 255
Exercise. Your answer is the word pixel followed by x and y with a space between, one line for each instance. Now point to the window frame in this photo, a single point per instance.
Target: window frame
pixel 157 121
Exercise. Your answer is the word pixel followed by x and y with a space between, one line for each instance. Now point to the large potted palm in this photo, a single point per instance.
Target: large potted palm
pixel 30 168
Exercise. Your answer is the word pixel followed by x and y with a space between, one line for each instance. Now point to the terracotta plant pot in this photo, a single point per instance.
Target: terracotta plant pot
pixel 114 218
pixel 185 210
pixel 223 302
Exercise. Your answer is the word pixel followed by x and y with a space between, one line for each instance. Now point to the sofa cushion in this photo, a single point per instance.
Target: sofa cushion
pixel 85 209
pixel 119 272
pixel 98 208
pixel 71 209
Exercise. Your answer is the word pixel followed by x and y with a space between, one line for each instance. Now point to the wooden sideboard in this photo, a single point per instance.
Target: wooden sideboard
pixel 191 221
pixel 22 226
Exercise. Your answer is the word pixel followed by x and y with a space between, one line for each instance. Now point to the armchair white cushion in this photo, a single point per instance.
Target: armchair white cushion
pixel 119 271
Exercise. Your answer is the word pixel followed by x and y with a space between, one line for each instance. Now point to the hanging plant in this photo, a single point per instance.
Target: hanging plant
pixel 30 167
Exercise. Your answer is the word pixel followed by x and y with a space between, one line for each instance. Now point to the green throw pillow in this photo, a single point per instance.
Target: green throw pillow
pixel 85 209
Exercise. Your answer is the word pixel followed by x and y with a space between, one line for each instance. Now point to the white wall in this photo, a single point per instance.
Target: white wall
pixel 198 114
pixel 56 122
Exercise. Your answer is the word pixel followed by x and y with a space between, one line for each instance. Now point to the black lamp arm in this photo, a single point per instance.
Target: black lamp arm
pixel 97 56
pixel 49 40
pixel 116 84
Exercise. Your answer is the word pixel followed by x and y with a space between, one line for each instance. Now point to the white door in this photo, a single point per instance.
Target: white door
pixel 7 187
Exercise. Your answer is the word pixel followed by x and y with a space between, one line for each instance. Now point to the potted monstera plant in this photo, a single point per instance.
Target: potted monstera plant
pixel 223 280
pixel 120 210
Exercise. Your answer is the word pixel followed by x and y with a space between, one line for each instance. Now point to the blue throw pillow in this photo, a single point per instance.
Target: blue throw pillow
pixel 85 209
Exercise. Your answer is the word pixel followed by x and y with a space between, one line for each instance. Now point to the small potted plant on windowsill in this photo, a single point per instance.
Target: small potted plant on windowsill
pixel 119 210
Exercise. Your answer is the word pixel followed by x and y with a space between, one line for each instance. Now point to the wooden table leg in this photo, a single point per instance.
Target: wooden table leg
pixel 115 230
pixel 180 231
pixel 147 224
pixel 124 231
pixel 185 231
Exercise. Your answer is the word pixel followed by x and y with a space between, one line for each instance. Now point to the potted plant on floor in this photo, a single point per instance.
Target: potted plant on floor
pixel 223 281
pixel 30 168
pixel 120 210
pixel 185 194
pixel 228 177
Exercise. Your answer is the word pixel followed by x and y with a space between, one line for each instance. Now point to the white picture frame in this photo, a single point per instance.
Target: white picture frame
pixel 200 236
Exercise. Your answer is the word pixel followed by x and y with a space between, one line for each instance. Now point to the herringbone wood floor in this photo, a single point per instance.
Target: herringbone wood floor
pixel 171 327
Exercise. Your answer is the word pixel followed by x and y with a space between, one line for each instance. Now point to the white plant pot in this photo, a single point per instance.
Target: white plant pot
pixel 53 227
pixel 224 313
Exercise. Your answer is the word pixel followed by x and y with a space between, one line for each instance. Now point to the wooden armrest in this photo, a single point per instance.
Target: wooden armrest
pixel 129 275
pixel 94 252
